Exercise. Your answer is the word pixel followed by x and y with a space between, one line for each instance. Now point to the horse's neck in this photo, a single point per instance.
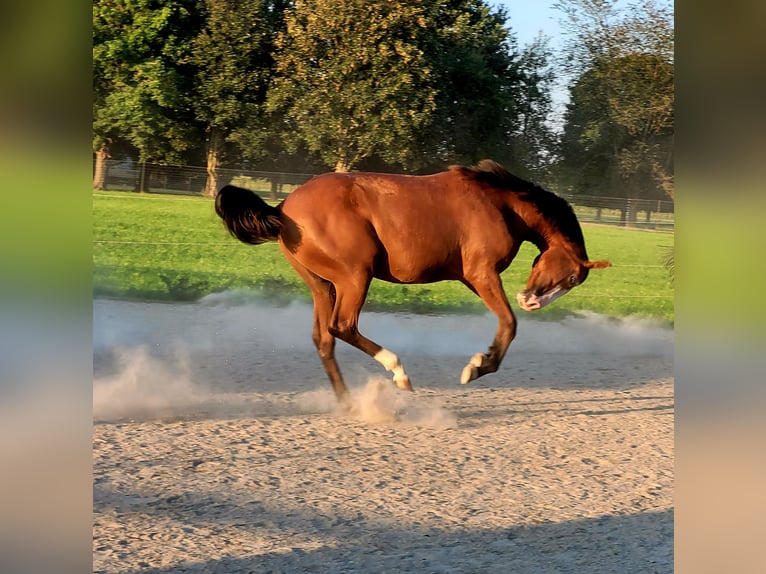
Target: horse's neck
pixel 540 231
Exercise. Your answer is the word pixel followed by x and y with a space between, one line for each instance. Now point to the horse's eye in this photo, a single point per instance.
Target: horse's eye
pixel 573 280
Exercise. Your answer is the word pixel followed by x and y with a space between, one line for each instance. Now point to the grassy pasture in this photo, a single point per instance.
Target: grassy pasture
pixel 162 247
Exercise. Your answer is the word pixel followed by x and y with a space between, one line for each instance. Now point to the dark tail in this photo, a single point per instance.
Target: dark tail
pixel 247 216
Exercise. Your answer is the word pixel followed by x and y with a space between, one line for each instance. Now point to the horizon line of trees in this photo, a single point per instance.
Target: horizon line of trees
pixel 396 85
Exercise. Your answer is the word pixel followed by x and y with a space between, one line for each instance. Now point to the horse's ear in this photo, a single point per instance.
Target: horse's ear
pixel 597 264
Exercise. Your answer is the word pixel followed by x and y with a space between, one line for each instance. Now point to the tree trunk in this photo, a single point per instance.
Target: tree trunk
pixel 213 160
pixel 99 175
pixel 143 185
pixel 341 166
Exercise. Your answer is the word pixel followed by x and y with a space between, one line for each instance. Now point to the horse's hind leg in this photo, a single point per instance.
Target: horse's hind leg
pixel 345 325
pixel 490 289
pixel 323 294
pixel 324 298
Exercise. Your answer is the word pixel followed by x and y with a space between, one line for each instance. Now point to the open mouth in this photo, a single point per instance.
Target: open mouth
pixel 531 302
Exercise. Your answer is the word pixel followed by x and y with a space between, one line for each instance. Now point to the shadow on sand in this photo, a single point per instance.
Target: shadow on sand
pixel 637 543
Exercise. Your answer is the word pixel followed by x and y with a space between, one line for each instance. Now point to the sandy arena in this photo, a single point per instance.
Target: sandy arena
pixel 218 447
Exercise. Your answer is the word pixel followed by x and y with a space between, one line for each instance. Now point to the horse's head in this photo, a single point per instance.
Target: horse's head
pixel 554 273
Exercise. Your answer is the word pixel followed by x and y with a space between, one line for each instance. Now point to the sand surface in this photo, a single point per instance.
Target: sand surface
pixel 217 446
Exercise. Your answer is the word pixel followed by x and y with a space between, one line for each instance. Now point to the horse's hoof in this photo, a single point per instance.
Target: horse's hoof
pixel 404 383
pixel 344 404
pixel 471 370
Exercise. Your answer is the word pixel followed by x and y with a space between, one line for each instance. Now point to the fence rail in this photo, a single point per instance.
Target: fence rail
pixel 128 175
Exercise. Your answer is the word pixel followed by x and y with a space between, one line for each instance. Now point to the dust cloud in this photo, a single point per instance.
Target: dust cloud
pixel 169 361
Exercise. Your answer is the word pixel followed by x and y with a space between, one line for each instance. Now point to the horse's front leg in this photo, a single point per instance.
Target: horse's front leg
pixel 345 326
pixel 491 292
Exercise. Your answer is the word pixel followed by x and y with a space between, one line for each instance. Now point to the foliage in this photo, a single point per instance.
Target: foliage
pixel 533 138
pixel 140 80
pixel 389 86
pixel 618 131
pixel 352 79
pixel 232 58
pixel 475 78
pixel 144 249
pixel 417 85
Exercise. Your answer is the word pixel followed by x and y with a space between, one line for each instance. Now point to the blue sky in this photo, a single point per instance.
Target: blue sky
pixel 527 18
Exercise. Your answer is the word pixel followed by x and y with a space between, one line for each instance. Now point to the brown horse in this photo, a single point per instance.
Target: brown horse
pixel 341 230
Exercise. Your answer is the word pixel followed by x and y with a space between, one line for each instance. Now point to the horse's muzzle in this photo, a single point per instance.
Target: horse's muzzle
pixel 527 301
pixel 531 302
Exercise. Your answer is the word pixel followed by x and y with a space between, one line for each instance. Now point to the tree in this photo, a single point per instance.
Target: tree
pixel 493 100
pixel 233 59
pixel 476 77
pixel 139 79
pixel 352 79
pixel 411 85
pixel 533 138
pixel 590 140
pixel 416 84
pixel 619 122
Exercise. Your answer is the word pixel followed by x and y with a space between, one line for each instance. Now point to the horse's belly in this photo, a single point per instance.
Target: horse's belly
pixel 402 268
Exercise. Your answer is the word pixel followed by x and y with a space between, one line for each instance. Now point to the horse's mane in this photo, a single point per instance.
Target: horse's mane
pixel 554 209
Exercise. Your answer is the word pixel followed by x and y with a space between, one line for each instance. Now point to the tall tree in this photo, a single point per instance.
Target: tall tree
pixel 352 79
pixel 233 60
pixel 533 139
pixel 620 118
pixel 590 141
pixel 139 79
pixel 473 63
pixel 415 84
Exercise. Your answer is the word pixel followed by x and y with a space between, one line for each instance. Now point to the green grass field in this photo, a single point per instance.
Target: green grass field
pixel 174 248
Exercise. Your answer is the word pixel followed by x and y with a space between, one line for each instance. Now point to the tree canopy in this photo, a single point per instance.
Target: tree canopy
pixel 618 132
pixel 141 79
pixel 232 61
pixel 395 85
pixel 480 82
pixel 352 79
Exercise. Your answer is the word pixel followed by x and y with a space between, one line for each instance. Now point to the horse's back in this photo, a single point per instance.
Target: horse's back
pixel 390 202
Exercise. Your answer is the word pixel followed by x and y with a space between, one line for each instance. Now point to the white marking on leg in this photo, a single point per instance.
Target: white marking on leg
pixel 391 363
pixel 471 371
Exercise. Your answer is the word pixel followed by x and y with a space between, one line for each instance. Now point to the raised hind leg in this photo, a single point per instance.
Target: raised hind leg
pixel 490 289
pixel 350 296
